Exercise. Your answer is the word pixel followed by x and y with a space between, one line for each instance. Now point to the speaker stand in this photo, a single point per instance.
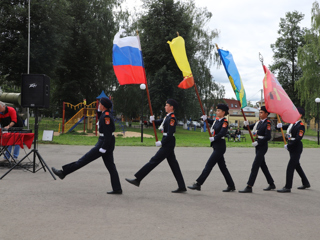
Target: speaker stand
pixel 34 151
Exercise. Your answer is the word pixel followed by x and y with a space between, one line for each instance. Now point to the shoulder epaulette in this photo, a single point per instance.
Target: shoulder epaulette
pixel 301 123
pixel 107 113
pixel 268 120
pixel 172 115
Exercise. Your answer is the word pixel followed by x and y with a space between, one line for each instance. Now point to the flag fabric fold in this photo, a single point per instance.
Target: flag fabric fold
pixel 178 50
pixel 277 100
pixel 234 76
pixel 127 60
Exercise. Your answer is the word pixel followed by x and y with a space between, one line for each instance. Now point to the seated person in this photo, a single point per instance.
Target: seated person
pixel 10 119
pixel 232 134
pixel 228 135
pixel 238 134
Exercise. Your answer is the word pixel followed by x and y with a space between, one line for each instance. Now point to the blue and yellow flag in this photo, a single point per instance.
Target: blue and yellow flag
pixel 233 76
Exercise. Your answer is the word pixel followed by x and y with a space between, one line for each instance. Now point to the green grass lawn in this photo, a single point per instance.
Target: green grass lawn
pixel 311 132
pixel 184 138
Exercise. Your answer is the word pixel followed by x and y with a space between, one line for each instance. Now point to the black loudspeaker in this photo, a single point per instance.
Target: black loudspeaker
pixel 35 91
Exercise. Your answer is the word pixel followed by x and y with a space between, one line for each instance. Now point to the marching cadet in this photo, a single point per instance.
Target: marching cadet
pixel 103 148
pixel 295 134
pixel 219 130
pixel 262 130
pixel 166 150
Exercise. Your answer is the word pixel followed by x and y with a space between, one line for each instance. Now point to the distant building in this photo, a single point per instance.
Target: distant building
pixel 235 117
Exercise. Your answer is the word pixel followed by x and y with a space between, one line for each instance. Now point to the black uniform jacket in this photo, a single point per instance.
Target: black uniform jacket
pixel 107 128
pixel 263 129
pixel 169 128
pixel 297 132
pixel 220 130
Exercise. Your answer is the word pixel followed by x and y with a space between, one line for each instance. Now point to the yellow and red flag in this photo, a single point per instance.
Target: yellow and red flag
pixel 178 50
pixel 277 100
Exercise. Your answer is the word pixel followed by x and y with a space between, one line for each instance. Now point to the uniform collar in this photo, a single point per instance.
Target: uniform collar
pixel 297 122
pixel 262 120
pixel 169 113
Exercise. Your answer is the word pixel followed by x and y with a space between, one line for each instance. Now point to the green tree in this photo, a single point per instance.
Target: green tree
pixel 159 23
pixel 86 67
pixel 48 20
pixel 308 86
pixel 285 50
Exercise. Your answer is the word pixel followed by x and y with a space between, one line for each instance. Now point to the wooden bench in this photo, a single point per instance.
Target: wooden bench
pixel 242 137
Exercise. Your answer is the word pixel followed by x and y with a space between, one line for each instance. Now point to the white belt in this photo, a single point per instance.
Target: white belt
pixel 291 139
pixel 102 135
pixel 261 137
pixel 220 138
pixel 165 134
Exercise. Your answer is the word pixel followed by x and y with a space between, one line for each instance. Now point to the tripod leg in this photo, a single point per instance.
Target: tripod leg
pixel 43 162
pixel 40 159
pixel 15 165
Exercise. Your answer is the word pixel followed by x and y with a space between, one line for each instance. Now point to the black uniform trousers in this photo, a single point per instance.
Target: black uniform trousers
pixel 216 157
pixel 260 162
pixel 163 152
pixel 92 155
pixel 294 164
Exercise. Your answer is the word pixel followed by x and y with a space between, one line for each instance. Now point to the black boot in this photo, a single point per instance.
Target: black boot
pixel 247 189
pixel 270 187
pixel 59 173
pixel 135 181
pixel 115 192
pixel 284 190
pixel 304 186
pixel 195 186
pixel 229 189
pixel 179 190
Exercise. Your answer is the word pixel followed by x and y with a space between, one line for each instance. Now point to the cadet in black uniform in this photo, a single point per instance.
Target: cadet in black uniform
pixel 262 130
pixel 103 148
pixel 219 129
pixel 295 134
pixel 167 145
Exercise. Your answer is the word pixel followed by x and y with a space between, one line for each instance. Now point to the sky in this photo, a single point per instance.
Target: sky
pixel 247 28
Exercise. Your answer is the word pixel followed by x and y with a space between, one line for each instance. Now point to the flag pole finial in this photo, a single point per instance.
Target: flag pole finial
pixel 137 31
pixel 178 34
pixel 217 46
pixel 261 58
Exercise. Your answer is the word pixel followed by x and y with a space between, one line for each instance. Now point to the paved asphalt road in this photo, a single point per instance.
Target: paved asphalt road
pixel 34 206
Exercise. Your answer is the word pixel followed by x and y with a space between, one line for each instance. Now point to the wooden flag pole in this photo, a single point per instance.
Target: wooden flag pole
pixel 149 101
pixel 279 121
pixel 244 116
pixel 151 113
pixel 284 139
pixel 203 112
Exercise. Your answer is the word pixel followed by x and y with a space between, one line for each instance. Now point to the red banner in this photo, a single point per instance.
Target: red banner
pixel 277 100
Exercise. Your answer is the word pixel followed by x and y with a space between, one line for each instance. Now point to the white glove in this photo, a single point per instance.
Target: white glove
pixel 204 117
pixel 254 144
pixel 211 139
pixel 158 144
pixel 151 118
pixel 102 150
pixel 286 146
pixel 279 125
pixel 246 123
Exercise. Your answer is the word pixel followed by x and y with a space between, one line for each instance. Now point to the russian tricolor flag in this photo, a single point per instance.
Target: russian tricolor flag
pixel 127 60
